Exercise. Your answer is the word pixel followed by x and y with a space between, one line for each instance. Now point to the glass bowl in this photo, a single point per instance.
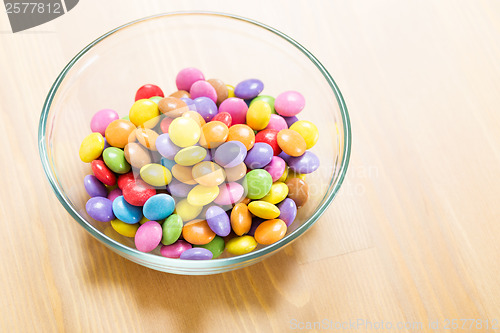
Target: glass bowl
pixel 107 73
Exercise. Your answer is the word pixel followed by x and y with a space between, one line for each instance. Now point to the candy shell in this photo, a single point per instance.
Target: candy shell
pixel 175 250
pixel 203 89
pixel 229 193
pixel 197 232
pixel 148 91
pixel 208 174
pixel 308 131
pixel 124 229
pixel 216 246
pixel 202 195
pixel 268 99
pixel 196 253
pixel 166 147
pixel 165 124
pixel 241 245
pixel 159 207
pixel 206 107
pixel 276 168
pixel 258 115
pixel 249 88
pixel 125 179
pixel 291 142
pixel 304 164
pixel 138 192
pixel 144 113
pixel 223 117
pixel 115 160
pixel 230 154
pixel 172 229
pixel 220 89
pixel 178 189
pixel 241 219
pixel 291 120
pixel 190 155
pixel 101 119
pixel 263 209
pixel 218 220
pixel 259 156
pixel 185 132
pixel 94 187
pixel 230 91
pixel 243 134
pixel 195 116
pixel 126 212
pixel 278 193
pixel 113 194
pixel 236 107
pixel 186 211
pixel 289 103
pixel 91 147
pixel 172 107
pixel 147 138
pixel 213 134
pixel 118 131
pixel 148 236
pixel 103 173
pixel 236 173
pixel 298 191
pixel 271 231
pixel 180 94
pixel 100 209
pixel 187 76
pixel 184 174
pixel 136 155
pixel 257 184
pixel 277 122
pixel 288 211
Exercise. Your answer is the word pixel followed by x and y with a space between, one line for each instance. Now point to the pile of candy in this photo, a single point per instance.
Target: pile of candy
pixel 207 169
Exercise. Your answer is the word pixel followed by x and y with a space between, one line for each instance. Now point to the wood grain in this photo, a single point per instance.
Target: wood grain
pixel 412 237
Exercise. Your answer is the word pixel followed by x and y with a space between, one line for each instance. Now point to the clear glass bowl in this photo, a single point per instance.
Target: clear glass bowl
pixel 107 73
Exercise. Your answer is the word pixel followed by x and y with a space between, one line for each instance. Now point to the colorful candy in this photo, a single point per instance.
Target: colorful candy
pixel 206 162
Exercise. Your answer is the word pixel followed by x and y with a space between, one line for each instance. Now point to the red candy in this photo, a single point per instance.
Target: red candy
pixel 148 91
pixel 102 172
pixel 223 117
pixel 138 192
pixel 125 179
pixel 269 136
pixel 165 124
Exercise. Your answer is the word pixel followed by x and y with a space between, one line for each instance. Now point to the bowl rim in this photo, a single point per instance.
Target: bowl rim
pixel 147 258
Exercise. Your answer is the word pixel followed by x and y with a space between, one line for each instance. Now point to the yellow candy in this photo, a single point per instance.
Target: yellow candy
pixel 258 115
pixel 230 91
pixel 184 132
pixel 293 174
pixel 307 130
pixel 190 156
pixel 144 220
pixel 144 113
pixel 186 211
pixel 125 229
pixel 264 209
pixel 156 174
pixel 277 194
pixel 92 147
pixel 241 245
pixel 284 176
pixel 202 195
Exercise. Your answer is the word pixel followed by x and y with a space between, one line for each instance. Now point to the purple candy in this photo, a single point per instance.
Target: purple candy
pixel 197 253
pixel 100 209
pixel 249 88
pixel 256 221
pixel 290 120
pixel 106 144
pixel 166 147
pixel 94 187
pixel 208 157
pixel 284 156
pixel 306 163
pixel 114 194
pixel 259 156
pixel 288 211
pixel 230 154
pixel 205 107
pixel 175 250
pixel 190 103
pixel 179 189
pixel 218 221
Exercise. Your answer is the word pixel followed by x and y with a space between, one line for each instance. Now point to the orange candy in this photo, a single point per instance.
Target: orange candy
pixel 208 174
pixel 244 134
pixel 236 173
pixel 118 131
pixel 213 134
pixel 241 219
pixel 270 231
pixel 172 107
pixel 197 232
pixel 184 174
pixel 291 142
pixel 195 116
pixel 180 94
pixel 147 138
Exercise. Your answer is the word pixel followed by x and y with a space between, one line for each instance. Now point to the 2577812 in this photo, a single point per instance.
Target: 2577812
pixel 32 7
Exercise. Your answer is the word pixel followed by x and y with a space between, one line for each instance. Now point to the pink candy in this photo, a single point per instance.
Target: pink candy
pixel 187 77
pixel 148 236
pixel 237 108
pixel 114 194
pixel 203 89
pixel 276 168
pixel 102 119
pixel 229 193
pixel 277 122
pixel 175 250
pixel 289 103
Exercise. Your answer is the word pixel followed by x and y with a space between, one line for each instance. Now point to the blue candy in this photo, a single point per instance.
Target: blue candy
pixel 158 207
pixel 126 212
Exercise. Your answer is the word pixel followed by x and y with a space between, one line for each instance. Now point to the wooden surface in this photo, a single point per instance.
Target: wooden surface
pixel 412 237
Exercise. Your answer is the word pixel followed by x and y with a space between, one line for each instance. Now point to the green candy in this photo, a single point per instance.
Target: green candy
pixel 156 99
pixel 268 99
pixel 126 118
pixel 115 160
pixel 257 184
pixel 216 246
pixel 172 229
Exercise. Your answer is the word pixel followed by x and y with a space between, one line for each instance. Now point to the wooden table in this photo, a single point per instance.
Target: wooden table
pixel 412 238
